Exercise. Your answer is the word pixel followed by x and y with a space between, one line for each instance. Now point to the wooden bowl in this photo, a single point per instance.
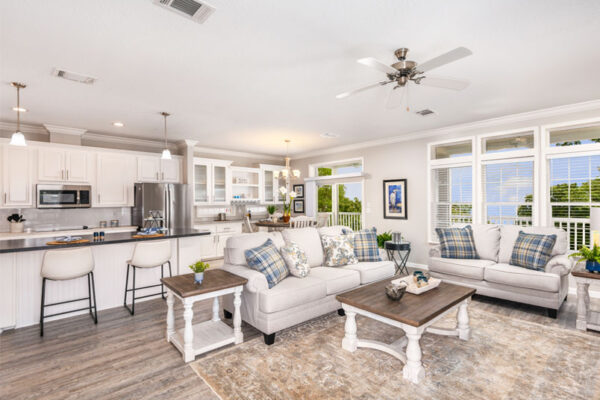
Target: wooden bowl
pixel 395 292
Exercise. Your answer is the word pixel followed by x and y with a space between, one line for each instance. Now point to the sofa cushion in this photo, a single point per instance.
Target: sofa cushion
pixel 339 250
pixel 309 240
pixel 334 230
pixel 509 234
pixel 532 251
pixel 373 271
pixel 521 277
pixel 236 245
pixel 336 279
pixel 365 245
pixel 467 268
pixel 295 259
pixel 457 242
pixel 267 260
pixel 487 240
pixel 291 292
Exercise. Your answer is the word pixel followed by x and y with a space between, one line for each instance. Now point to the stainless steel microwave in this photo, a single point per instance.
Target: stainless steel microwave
pixel 64 196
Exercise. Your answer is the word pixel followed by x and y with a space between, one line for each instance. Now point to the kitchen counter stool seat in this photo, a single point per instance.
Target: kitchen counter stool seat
pixel 150 254
pixel 67 264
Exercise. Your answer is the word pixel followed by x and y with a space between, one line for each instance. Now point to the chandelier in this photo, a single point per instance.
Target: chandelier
pixel 287 171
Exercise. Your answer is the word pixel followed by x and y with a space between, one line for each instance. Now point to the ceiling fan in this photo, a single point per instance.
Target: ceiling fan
pixel 405 71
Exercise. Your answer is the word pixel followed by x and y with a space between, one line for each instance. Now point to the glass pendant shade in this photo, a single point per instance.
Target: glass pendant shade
pixel 18 139
pixel 296 173
pixel 166 154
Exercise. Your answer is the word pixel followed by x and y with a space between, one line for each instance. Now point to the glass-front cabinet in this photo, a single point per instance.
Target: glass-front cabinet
pixel 201 183
pixel 212 181
pixel 271 181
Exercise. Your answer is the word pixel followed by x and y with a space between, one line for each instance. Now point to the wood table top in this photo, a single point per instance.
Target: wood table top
pixel 271 224
pixel 214 279
pixel 412 309
pixel 581 272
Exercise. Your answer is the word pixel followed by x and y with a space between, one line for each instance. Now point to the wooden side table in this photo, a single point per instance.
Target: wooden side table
pixel 209 335
pixel 586 318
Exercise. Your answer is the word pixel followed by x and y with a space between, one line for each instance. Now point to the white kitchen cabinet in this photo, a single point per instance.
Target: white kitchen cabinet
pixel 60 165
pixel 212 181
pixel 8 294
pixel 213 246
pixel 17 177
pixel 171 170
pixel 114 181
pixel 269 184
pixel 154 169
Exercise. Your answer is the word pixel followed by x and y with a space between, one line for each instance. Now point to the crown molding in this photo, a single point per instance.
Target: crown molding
pixel 100 137
pixel 486 123
pixel 233 153
pixel 64 130
pixel 25 128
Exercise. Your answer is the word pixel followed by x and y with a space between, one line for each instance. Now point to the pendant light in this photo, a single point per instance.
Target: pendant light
pixel 166 154
pixel 17 138
pixel 287 171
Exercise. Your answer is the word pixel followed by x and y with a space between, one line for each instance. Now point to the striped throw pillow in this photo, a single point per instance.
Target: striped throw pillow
pixel 267 260
pixel 457 242
pixel 365 245
pixel 532 251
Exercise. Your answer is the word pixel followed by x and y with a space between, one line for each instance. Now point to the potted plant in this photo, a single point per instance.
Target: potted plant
pixel 591 257
pixel 16 223
pixel 287 206
pixel 271 210
pixel 382 238
pixel 199 267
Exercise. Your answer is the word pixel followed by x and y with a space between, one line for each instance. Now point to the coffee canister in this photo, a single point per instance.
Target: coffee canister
pixel 396 237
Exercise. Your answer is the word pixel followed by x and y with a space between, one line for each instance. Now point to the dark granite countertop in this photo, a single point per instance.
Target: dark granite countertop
pixel 17 245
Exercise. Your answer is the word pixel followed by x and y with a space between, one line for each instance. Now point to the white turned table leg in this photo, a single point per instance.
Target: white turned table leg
pixel 237 316
pixel 583 302
pixel 413 370
pixel 350 341
pixel 188 333
pixel 215 317
pixel 463 321
pixel 170 315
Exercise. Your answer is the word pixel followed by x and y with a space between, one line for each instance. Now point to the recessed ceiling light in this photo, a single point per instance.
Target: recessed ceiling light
pixel 19 109
pixel 329 135
pixel 119 124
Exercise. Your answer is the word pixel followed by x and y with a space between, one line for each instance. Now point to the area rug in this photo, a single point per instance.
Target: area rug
pixel 506 358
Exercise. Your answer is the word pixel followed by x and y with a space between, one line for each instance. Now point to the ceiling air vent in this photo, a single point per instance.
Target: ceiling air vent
pixel 73 76
pixel 191 9
pixel 425 112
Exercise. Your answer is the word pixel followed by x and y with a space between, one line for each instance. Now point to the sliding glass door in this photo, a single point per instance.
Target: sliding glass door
pixel 342 202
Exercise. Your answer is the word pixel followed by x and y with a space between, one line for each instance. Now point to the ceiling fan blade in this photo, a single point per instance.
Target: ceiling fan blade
pixel 446 58
pixel 350 93
pixel 444 83
pixel 374 63
pixel 395 97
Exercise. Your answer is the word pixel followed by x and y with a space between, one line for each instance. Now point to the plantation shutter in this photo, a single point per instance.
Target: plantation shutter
pixel 508 192
pixel 452 197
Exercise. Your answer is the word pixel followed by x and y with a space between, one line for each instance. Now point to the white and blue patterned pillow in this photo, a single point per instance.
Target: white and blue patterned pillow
pixel 532 251
pixel 457 242
pixel 339 250
pixel 295 259
pixel 365 245
pixel 267 260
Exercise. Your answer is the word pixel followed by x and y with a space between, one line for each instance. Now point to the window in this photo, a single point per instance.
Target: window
pixel 574 186
pixel 339 168
pixel 453 196
pixel 508 143
pixel 508 192
pixel 453 150
pixel 575 136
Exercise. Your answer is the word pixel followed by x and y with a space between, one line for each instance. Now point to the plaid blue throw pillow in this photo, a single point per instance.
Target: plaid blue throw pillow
pixel 267 260
pixel 365 245
pixel 532 251
pixel 457 242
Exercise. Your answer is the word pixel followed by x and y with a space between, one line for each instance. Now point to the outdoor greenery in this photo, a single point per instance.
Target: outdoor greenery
pixel 345 204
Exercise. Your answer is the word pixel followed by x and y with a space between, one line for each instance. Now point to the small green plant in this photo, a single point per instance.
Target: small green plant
pixel 585 253
pixel 271 209
pixel 15 218
pixel 199 266
pixel 382 238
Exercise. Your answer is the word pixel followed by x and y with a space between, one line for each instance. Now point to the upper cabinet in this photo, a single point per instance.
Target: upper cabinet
pixel 59 165
pixel 17 176
pixel 114 180
pixel 155 169
pixel 270 183
pixel 212 181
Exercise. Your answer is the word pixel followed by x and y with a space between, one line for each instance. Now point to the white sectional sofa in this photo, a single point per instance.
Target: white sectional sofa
pixel 492 275
pixel 294 300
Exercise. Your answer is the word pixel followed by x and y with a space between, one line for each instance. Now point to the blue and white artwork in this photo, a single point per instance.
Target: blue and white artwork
pixel 394 199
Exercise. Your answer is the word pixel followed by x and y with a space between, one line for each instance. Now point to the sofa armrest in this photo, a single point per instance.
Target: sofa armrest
pixel 435 250
pixel 559 265
pixel 256 280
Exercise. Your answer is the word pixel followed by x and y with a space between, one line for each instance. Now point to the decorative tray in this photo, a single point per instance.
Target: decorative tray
pixel 412 286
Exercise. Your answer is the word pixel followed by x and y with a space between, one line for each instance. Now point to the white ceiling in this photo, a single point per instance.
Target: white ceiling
pixel 260 71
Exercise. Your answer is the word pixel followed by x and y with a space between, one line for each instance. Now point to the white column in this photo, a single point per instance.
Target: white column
pixel 413 370
pixel 237 315
pixel 188 333
pixel 583 301
pixel 170 315
pixel 350 340
pixel 215 317
pixel 463 321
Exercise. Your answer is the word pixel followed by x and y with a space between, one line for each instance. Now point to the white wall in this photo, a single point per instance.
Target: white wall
pixel 408 159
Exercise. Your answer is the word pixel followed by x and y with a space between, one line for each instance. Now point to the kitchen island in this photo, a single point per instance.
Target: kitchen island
pixel 21 260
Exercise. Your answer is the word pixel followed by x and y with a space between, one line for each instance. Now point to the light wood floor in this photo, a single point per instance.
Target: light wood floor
pixel 125 357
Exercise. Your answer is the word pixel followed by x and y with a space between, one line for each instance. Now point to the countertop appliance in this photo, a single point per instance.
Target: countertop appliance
pixel 64 196
pixel 158 205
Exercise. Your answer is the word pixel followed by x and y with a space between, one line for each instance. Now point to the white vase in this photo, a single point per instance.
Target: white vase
pixel 274 219
pixel 198 277
pixel 17 227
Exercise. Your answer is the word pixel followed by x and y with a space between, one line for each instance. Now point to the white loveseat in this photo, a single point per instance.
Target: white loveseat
pixel 294 300
pixel 492 275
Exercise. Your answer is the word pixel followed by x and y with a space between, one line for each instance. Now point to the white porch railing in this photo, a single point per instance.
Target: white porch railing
pixel 352 220
pixel 578 231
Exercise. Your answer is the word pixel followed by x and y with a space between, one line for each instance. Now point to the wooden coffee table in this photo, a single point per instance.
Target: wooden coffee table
pixel 586 317
pixel 413 314
pixel 208 335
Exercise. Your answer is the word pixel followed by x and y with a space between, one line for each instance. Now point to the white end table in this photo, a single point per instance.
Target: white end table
pixel 586 317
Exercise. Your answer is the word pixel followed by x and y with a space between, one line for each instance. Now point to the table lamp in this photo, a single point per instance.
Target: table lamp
pixel 595 225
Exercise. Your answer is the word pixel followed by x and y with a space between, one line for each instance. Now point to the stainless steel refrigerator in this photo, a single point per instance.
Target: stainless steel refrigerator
pixel 161 205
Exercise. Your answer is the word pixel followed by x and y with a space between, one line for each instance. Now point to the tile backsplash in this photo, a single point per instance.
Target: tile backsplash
pixel 67 218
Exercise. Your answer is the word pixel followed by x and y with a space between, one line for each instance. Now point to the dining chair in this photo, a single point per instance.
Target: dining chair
pixel 303 222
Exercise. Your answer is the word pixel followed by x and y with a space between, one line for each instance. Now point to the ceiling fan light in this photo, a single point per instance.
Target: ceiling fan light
pixel 166 154
pixel 18 139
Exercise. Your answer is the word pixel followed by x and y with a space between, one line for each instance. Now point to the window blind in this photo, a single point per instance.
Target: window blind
pixel 508 192
pixel 452 197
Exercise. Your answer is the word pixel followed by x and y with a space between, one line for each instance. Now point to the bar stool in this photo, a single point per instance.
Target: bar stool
pixel 149 254
pixel 62 265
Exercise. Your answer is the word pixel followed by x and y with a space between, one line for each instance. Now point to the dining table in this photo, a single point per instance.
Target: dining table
pixel 272 226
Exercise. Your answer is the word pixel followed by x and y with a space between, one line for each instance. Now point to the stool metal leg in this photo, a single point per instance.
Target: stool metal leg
pixel 133 293
pixel 162 287
pixel 170 272
pixel 95 316
pixel 127 290
pixel 42 307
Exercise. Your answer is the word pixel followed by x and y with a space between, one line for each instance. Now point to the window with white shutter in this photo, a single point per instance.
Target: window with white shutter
pixel 452 197
pixel 508 192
